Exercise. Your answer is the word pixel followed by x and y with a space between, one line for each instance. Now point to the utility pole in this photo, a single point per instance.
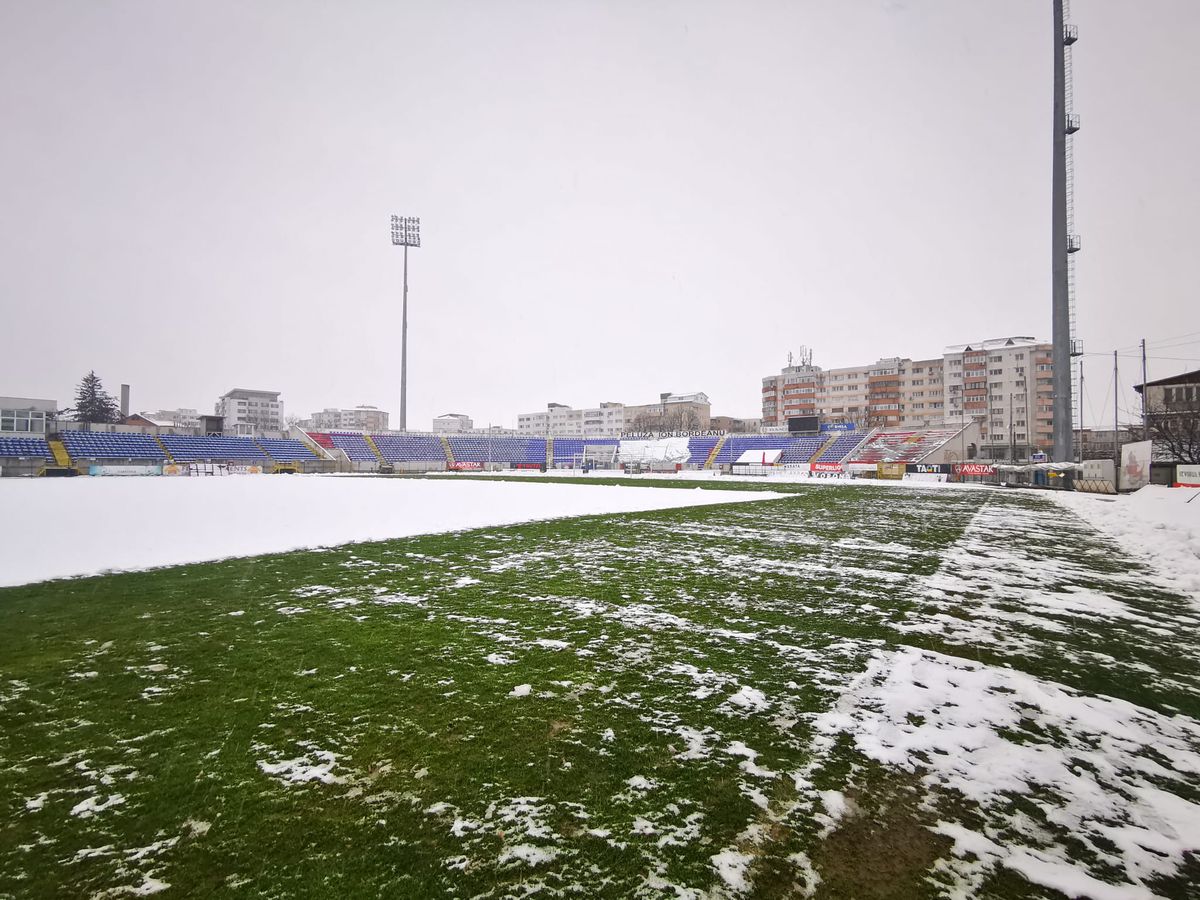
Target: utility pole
pixel 1012 441
pixel 1145 424
pixel 1079 437
pixel 406 232
pixel 1116 428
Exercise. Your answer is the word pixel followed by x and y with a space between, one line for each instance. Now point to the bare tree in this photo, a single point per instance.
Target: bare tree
pixel 1175 427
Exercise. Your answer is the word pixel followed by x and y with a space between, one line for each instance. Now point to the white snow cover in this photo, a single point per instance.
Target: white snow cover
pixel 661 450
pixel 114 524
pixel 1157 523
pixel 924 710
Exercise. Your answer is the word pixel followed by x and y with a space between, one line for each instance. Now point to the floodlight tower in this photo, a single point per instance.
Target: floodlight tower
pixel 406 232
pixel 1064 242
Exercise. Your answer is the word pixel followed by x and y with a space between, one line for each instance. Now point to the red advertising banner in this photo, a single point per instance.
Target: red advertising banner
pixel 466 466
pixel 826 467
pixel 974 469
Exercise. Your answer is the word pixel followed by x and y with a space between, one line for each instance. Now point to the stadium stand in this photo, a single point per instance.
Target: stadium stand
pixel 801 449
pixel 498 449
pixel 190 448
pixel 321 439
pixel 903 446
pixel 569 451
pixel 838 450
pixel 25 448
pixel 111 445
pixel 739 444
pixel 286 449
pixel 354 444
pixel 700 447
pixel 410 447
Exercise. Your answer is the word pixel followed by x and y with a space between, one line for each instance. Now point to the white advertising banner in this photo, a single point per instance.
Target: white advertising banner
pixel 1187 476
pixel 124 470
pixel 1135 465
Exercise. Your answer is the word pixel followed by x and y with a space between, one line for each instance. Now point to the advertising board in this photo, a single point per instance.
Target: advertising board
pixel 974 470
pixel 1187 476
pixel 1135 465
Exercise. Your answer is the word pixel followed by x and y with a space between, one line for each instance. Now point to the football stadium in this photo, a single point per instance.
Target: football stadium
pixel 914 628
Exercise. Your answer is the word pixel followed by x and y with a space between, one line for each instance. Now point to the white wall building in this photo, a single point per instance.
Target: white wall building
pixel 250 412
pixel 176 418
pixel 26 416
pixel 605 420
pixel 361 418
pixel 452 423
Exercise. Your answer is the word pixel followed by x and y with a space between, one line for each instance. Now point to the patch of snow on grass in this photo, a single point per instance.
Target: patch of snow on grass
pixel 1114 775
pixel 521 690
pixel 528 853
pixel 731 865
pixel 85 809
pixel 316 765
pixel 749 699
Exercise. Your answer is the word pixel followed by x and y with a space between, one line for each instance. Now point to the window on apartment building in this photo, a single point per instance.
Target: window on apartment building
pixel 995 371
pixel 1045 367
pixel 1019 356
pixel 1020 436
pixel 995 359
pixel 956 363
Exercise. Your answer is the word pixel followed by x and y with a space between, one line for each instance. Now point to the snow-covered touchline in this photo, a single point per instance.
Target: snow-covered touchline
pixel 121 524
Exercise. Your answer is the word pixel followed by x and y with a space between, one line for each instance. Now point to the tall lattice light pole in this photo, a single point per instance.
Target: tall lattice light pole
pixel 406 232
pixel 1064 242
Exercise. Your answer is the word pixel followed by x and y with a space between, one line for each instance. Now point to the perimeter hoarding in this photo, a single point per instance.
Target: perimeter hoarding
pixel 1135 465
pixel 1187 476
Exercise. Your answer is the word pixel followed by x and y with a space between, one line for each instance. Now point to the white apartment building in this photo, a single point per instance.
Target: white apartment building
pixel 453 423
pixel 248 412
pixel 605 420
pixel 891 392
pixel 360 418
pixel 1007 385
pixel 1004 384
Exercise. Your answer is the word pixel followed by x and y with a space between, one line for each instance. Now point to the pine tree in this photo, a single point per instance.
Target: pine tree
pixel 93 404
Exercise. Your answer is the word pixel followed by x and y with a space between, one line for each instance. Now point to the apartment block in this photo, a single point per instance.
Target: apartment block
pixel 1005 384
pixel 360 418
pixel 248 412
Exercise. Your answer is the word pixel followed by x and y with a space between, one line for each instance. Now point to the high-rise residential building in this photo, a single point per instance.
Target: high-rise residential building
pixel 250 412
pixel 891 392
pixel 360 418
pixel 1005 384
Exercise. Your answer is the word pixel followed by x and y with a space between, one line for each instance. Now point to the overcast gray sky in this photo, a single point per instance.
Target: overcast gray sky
pixel 617 198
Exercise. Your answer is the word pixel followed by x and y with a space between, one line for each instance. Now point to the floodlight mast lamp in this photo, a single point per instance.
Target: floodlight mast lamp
pixel 406 232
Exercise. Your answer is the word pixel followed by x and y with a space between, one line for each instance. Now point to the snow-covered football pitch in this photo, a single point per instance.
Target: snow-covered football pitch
pixel 830 691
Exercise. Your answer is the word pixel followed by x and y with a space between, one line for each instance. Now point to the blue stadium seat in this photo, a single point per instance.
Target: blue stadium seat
pixel 410 447
pixel 355 445
pixel 286 449
pixel 26 448
pixel 111 445
pixel 189 448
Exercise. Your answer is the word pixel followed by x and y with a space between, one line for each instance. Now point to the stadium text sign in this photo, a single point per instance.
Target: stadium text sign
pixel 974 469
pixel 1187 476
pixel 927 468
pixel 656 435
pixel 826 467
pixel 466 466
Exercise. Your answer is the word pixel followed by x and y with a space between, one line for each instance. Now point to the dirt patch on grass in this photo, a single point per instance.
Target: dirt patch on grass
pixel 883 847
